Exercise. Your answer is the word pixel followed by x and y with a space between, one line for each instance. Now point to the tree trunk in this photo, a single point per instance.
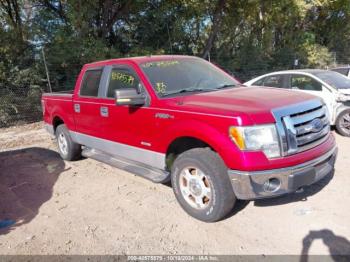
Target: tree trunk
pixel 111 12
pixel 217 18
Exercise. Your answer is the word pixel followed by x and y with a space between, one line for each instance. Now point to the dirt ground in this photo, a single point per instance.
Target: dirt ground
pixel 86 207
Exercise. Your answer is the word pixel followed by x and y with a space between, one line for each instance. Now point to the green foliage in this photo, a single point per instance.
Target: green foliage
pixel 20 80
pixel 317 56
pixel 247 37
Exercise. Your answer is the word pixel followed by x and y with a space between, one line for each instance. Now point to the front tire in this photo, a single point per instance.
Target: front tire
pixel 68 149
pixel 343 123
pixel 201 184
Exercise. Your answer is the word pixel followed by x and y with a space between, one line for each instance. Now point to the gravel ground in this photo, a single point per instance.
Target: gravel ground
pixel 86 207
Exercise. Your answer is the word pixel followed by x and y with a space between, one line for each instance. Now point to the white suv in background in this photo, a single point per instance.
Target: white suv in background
pixel 332 87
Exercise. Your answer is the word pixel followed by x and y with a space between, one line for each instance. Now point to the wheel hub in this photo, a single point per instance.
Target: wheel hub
pixel 62 143
pixel 195 187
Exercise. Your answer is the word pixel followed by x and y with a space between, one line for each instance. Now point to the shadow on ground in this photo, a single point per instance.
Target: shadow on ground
pixel 27 177
pixel 296 197
pixel 338 246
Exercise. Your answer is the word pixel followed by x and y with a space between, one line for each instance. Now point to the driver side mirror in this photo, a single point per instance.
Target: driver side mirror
pixel 129 96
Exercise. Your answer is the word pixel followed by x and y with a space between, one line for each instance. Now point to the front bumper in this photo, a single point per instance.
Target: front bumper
pixel 254 185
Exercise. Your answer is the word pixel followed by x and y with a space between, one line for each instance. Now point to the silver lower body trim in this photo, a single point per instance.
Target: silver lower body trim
pixel 147 157
pixel 153 174
pixel 254 185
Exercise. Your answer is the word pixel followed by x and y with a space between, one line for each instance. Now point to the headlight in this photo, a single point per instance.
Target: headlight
pixel 342 98
pixel 257 138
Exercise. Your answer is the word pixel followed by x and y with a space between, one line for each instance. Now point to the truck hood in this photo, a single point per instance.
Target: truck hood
pixel 255 103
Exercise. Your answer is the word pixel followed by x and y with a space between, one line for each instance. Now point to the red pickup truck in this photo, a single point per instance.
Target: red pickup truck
pixel 181 118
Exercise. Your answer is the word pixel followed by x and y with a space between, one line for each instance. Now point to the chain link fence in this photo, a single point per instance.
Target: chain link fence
pixel 22 104
pixel 19 105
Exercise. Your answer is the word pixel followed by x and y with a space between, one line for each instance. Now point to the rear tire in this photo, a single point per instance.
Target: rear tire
pixel 201 184
pixel 343 123
pixel 68 149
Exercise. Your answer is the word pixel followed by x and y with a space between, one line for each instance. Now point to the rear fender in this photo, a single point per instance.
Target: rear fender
pixel 66 117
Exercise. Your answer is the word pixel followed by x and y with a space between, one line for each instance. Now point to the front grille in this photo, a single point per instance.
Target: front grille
pixel 305 134
pixel 302 126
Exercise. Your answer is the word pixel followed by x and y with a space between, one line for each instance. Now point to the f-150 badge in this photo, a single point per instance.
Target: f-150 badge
pixel 164 116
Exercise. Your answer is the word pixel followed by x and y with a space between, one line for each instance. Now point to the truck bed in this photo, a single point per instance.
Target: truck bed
pixel 66 93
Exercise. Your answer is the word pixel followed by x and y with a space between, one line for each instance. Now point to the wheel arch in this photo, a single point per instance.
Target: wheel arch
pixel 197 136
pixel 344 107
pixel 182 144
pixel 56 121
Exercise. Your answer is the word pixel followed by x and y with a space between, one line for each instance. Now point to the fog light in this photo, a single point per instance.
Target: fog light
pixel 272 185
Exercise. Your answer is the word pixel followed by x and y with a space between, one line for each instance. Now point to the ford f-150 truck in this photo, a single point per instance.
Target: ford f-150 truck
pixel 181 118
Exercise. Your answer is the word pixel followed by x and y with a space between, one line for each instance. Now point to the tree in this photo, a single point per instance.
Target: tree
pixel 11 10
pixel 216 23
pixel 247 38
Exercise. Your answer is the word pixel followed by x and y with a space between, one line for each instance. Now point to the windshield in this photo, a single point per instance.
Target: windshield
pixel 334 79
pixel 181 75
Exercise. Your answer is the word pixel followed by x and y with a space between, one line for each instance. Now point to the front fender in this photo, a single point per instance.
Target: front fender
pixel 217 139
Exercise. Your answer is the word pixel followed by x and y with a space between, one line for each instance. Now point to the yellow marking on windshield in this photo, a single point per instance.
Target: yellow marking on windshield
pixel 161 87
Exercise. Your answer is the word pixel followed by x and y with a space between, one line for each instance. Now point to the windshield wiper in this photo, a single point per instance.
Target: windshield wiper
pixel 225 86
pixel 188 90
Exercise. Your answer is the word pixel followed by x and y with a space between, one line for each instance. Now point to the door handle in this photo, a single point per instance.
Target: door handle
pixel 77 108
pixel 104 111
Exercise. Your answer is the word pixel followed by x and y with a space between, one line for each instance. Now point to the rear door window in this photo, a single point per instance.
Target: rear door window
pixel 273 81
pixel 91 82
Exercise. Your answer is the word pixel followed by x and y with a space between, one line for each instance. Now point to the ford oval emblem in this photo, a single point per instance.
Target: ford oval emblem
pixel 316 125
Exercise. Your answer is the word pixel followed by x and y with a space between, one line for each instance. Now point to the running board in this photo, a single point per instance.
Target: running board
pixel 153 174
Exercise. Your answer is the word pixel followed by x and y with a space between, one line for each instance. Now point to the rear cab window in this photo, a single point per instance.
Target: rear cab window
pixel 270 81
pixel 260 82
pixel 273 81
